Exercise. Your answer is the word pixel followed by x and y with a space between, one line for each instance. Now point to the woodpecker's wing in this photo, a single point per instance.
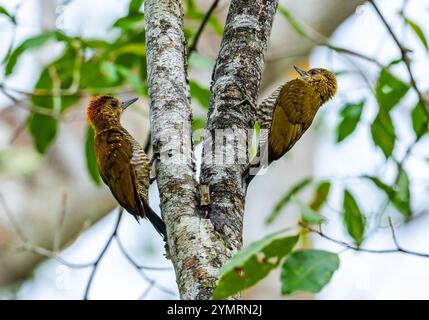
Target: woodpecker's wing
pixel 114 155
pixel 265 109
pixel 292 115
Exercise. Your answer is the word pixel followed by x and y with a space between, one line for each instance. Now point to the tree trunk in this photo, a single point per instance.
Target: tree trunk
pixel 199 246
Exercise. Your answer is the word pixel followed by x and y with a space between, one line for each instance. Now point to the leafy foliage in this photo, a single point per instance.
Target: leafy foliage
pixel 200 93
pixel 389 90
pixel 29 44
pixel 284 201
pixel 253 263
pixel 321 195
pixel 350 116
pixel 91 163
pixel 4 12
pixel 399 195
pixel 353 218
pixel 402 198
pixel 292 21
pixel 309 215
pixel 419 119
pixel 383 132
pixel 308 270
pixel 418 31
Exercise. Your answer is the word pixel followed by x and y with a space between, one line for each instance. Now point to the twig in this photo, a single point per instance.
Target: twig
pixel 140 269
pixel 392 229
pixel 147 290
pixel 405 58
pixel 148 143
pixel 58 230
pixel 12 220
pixel 353 53
pixel 206 18
pixel 28 246
pixel 133 262
pixel 17 131
pixel 101 255
pixel 347 245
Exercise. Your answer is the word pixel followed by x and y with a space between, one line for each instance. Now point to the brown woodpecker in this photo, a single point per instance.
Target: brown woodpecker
pixel 289 111
pixel 123 165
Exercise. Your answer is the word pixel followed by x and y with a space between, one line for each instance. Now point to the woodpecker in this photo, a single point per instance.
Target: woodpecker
pixel 289 111
pixel 123 165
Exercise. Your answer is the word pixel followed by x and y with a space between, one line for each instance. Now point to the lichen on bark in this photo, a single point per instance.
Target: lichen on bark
pixel 199 246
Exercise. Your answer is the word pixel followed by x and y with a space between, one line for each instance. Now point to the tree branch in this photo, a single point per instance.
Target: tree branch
pixel 206 18
pixel 347 245
pixel 405 58
pixel 237 74
pixel 196 252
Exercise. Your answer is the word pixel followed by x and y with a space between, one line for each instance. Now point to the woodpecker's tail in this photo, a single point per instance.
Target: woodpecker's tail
pixel 156 221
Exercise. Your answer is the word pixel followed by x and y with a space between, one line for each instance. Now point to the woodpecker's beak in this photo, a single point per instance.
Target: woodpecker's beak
pixel 300 71
pixel 126 104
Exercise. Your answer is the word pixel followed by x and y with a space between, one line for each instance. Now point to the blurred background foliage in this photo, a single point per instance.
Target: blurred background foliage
pixel 86 66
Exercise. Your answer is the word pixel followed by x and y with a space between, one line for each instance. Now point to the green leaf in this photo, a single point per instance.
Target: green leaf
pixel 109 71
pixel 420 120
pixel 134 80
pixel 401 198
pixel 353 218
pixel 292 21
pixel 350 117
pixel 253 263
pixel 322 192
pixel 383 132
pixel 216 25
pixel 418 31
pixel 198 123
pixel 200 61
pixel 30 43
pixel 43 130
pixel 91 163
pixel 130 22
pixel 4 12
pixel 308 271
pixel 394 62
pixel 138 49
pixel 200 93
pixel 308 215
pixel 388 190
pixel 389 90
pixel 286 199
pixel 63 70
pixel 135 6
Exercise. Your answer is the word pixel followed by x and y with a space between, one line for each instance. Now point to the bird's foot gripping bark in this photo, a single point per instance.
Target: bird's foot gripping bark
pixel 152 164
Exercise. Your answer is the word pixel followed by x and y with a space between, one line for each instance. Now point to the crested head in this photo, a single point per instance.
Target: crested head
pixel 323 81
pixel 102 104
pixel 105 110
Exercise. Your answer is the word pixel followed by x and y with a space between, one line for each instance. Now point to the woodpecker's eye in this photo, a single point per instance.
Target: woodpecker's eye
pixel 114 104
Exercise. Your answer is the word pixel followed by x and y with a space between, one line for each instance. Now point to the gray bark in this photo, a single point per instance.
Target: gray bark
pixel 196 252
pixel 237 74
